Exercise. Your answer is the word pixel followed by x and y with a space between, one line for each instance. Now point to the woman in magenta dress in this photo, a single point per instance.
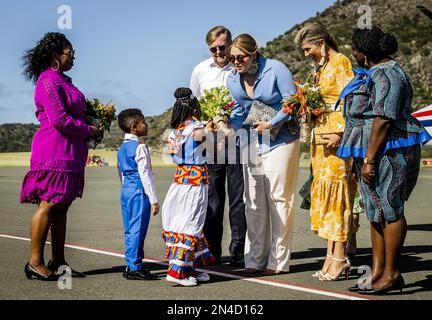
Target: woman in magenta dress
pixel 58 153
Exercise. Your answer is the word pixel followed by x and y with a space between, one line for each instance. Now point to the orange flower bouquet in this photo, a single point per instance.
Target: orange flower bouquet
pixel 307 104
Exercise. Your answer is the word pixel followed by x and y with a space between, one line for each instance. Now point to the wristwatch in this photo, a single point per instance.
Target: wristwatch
pixel 368 161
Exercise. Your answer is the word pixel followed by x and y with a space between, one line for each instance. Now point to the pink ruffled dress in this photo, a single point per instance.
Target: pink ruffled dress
pixel 59 151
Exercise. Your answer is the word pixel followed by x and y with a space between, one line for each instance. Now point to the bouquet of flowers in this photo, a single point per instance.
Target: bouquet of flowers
pixel 216 106
pixel 307 105
pixel 99 115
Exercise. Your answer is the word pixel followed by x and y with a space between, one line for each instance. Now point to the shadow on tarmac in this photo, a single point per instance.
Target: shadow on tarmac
pixel 420 227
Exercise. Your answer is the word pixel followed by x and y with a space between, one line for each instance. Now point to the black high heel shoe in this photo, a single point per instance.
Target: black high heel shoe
pixel 359 287
pixel 53 267
pixel 397 285
pixel 30 272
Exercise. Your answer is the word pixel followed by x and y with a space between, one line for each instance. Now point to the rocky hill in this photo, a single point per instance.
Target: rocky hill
pixel 400 17
pixel 410 26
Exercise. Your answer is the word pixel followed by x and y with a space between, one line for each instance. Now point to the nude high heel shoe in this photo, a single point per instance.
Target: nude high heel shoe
pixel 346 269
pixel 320 274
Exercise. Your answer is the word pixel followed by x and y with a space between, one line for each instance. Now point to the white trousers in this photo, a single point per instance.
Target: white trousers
pixel 270 183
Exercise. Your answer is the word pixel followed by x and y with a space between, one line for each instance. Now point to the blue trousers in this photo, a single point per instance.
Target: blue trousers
pixel 136 216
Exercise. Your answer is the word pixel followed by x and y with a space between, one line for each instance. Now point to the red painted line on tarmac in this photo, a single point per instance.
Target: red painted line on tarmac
pixel 263 280
pixel 321 289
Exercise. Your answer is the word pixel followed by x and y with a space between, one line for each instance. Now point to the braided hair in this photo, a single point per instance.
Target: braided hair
pixel 185 106
pixel 37 59
pixel 375 43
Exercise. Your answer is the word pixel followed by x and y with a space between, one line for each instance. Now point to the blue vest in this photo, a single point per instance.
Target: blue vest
pixel 128 166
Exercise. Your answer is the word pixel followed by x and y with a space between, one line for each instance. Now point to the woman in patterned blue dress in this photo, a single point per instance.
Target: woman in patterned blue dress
pixel 384 140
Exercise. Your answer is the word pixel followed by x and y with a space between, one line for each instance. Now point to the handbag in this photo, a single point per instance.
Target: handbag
pixel 261 112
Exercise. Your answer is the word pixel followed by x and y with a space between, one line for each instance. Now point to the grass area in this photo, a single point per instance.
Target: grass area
pixel 15 159
pixel 21 159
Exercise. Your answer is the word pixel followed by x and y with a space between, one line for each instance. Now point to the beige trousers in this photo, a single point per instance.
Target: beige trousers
pixel 270 183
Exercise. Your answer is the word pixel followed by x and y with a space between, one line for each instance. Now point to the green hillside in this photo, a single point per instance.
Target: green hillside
pixel 411 27
pixel 401 17
pixel 17 137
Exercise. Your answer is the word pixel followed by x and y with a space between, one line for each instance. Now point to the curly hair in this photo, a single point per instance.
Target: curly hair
pixel 375 43
pixel 37 59
pixel 184 107
pixel 128 117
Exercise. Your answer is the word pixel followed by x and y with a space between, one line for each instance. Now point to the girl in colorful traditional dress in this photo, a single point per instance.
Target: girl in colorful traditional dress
pixel 184 208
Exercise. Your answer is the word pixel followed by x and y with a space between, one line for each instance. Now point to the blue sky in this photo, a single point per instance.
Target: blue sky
pixel 134 52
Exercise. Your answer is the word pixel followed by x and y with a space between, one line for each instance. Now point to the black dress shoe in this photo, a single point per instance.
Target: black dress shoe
pixel 144 274
pixel 54 269
pixel 30 272
pixel 397 285
pixel 237 260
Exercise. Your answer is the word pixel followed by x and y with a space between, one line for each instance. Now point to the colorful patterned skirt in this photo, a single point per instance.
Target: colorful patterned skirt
pixel 396 174
pixel 183 215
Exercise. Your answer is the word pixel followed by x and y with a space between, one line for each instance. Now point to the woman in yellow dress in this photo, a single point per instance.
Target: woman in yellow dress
pixel 333 187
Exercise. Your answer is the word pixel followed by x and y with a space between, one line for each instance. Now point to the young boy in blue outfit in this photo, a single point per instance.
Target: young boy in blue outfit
pixel 138 194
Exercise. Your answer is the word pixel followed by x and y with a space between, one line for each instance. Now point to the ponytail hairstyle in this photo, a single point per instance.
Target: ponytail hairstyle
pixel 246 43
pixel 374 43
pixel 315 32
pixel 185 107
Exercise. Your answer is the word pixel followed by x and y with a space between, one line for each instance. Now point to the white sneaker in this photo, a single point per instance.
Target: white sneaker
pixel 189 282
pixel 203 277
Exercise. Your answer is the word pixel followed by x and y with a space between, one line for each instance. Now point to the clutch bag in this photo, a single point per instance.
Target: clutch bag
pixel 261 112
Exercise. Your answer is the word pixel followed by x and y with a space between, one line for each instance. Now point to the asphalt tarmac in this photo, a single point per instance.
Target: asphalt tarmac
pixel 95 246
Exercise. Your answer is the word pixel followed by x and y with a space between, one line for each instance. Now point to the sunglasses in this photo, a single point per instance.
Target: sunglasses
pixel 214 49
pixel 239 58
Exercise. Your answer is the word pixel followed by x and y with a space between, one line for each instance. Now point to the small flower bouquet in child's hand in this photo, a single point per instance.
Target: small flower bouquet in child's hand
pixel 216 106
pixel 99 115
pixel 306 105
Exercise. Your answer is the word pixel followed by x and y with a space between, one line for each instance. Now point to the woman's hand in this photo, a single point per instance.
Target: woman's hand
pixel 95 132
pixel 260 126
pixel 333 140
pixel 368 172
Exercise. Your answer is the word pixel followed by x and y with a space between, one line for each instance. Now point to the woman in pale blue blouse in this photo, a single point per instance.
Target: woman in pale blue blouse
pixel 271 173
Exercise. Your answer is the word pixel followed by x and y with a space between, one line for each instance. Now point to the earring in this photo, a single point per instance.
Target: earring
pixel 323 51
pixel 366 64
pixel 323 55
pixel 57 67
pixel 254 67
